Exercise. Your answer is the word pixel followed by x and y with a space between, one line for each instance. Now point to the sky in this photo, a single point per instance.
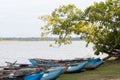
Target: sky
pixel 19 18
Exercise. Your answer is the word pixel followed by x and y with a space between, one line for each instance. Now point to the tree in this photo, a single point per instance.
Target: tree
pixel 106 20
pixel 62 22
pixel 98 24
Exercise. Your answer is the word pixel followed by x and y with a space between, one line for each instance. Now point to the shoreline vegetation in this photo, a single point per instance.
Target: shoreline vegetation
pixel 34 39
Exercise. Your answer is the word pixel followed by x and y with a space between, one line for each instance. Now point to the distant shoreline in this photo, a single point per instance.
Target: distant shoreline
pixel 34 39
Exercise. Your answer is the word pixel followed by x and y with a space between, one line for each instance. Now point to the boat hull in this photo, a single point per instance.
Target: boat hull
pixel 35 76
pixel 52 74
pixel 93 63
pixel 76 68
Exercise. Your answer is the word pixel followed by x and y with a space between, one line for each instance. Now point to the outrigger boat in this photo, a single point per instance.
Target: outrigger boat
pixel 34 76
pixel 93 63
pixel 52 73
pixel 42 62
pixel 76 67
pixel 13 72
pixel 71 66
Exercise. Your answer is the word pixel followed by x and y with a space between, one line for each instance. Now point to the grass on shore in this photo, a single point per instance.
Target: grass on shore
pixel 110 70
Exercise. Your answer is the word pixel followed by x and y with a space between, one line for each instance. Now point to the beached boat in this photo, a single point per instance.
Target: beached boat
pixel 16 66
pixel 76 67
pixel 52 73
pixel 35 76
pixel 54 63
pixel 47 63
pixel 35 61
pixel 71 66
pixel 93 63
pixel 14 72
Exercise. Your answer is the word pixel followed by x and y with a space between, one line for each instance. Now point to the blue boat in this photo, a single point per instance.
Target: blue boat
pixel 73 67
pixel 93 63
pixel 35 76
pixel 76 67
pixel 46 63
pixel 53 73
pixel 94 60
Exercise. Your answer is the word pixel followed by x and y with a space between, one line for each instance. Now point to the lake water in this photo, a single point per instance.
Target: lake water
pixel 23 50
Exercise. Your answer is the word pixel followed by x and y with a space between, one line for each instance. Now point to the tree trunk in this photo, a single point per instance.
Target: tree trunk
pixel 111 55
pixel 118 58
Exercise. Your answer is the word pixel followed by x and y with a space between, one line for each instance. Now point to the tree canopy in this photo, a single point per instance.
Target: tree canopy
pixel 98 24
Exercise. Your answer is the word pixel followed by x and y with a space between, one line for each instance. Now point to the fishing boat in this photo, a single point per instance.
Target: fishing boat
pixel 52 73
pixel 17 72
pixel 47 63
pixel 76 67
pixel 93 63
pixel 35 61
pixel 35 76
pixel 71 66
pixel 16 66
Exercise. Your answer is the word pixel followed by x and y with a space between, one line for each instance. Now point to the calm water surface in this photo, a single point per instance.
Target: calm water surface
pixel 23 50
